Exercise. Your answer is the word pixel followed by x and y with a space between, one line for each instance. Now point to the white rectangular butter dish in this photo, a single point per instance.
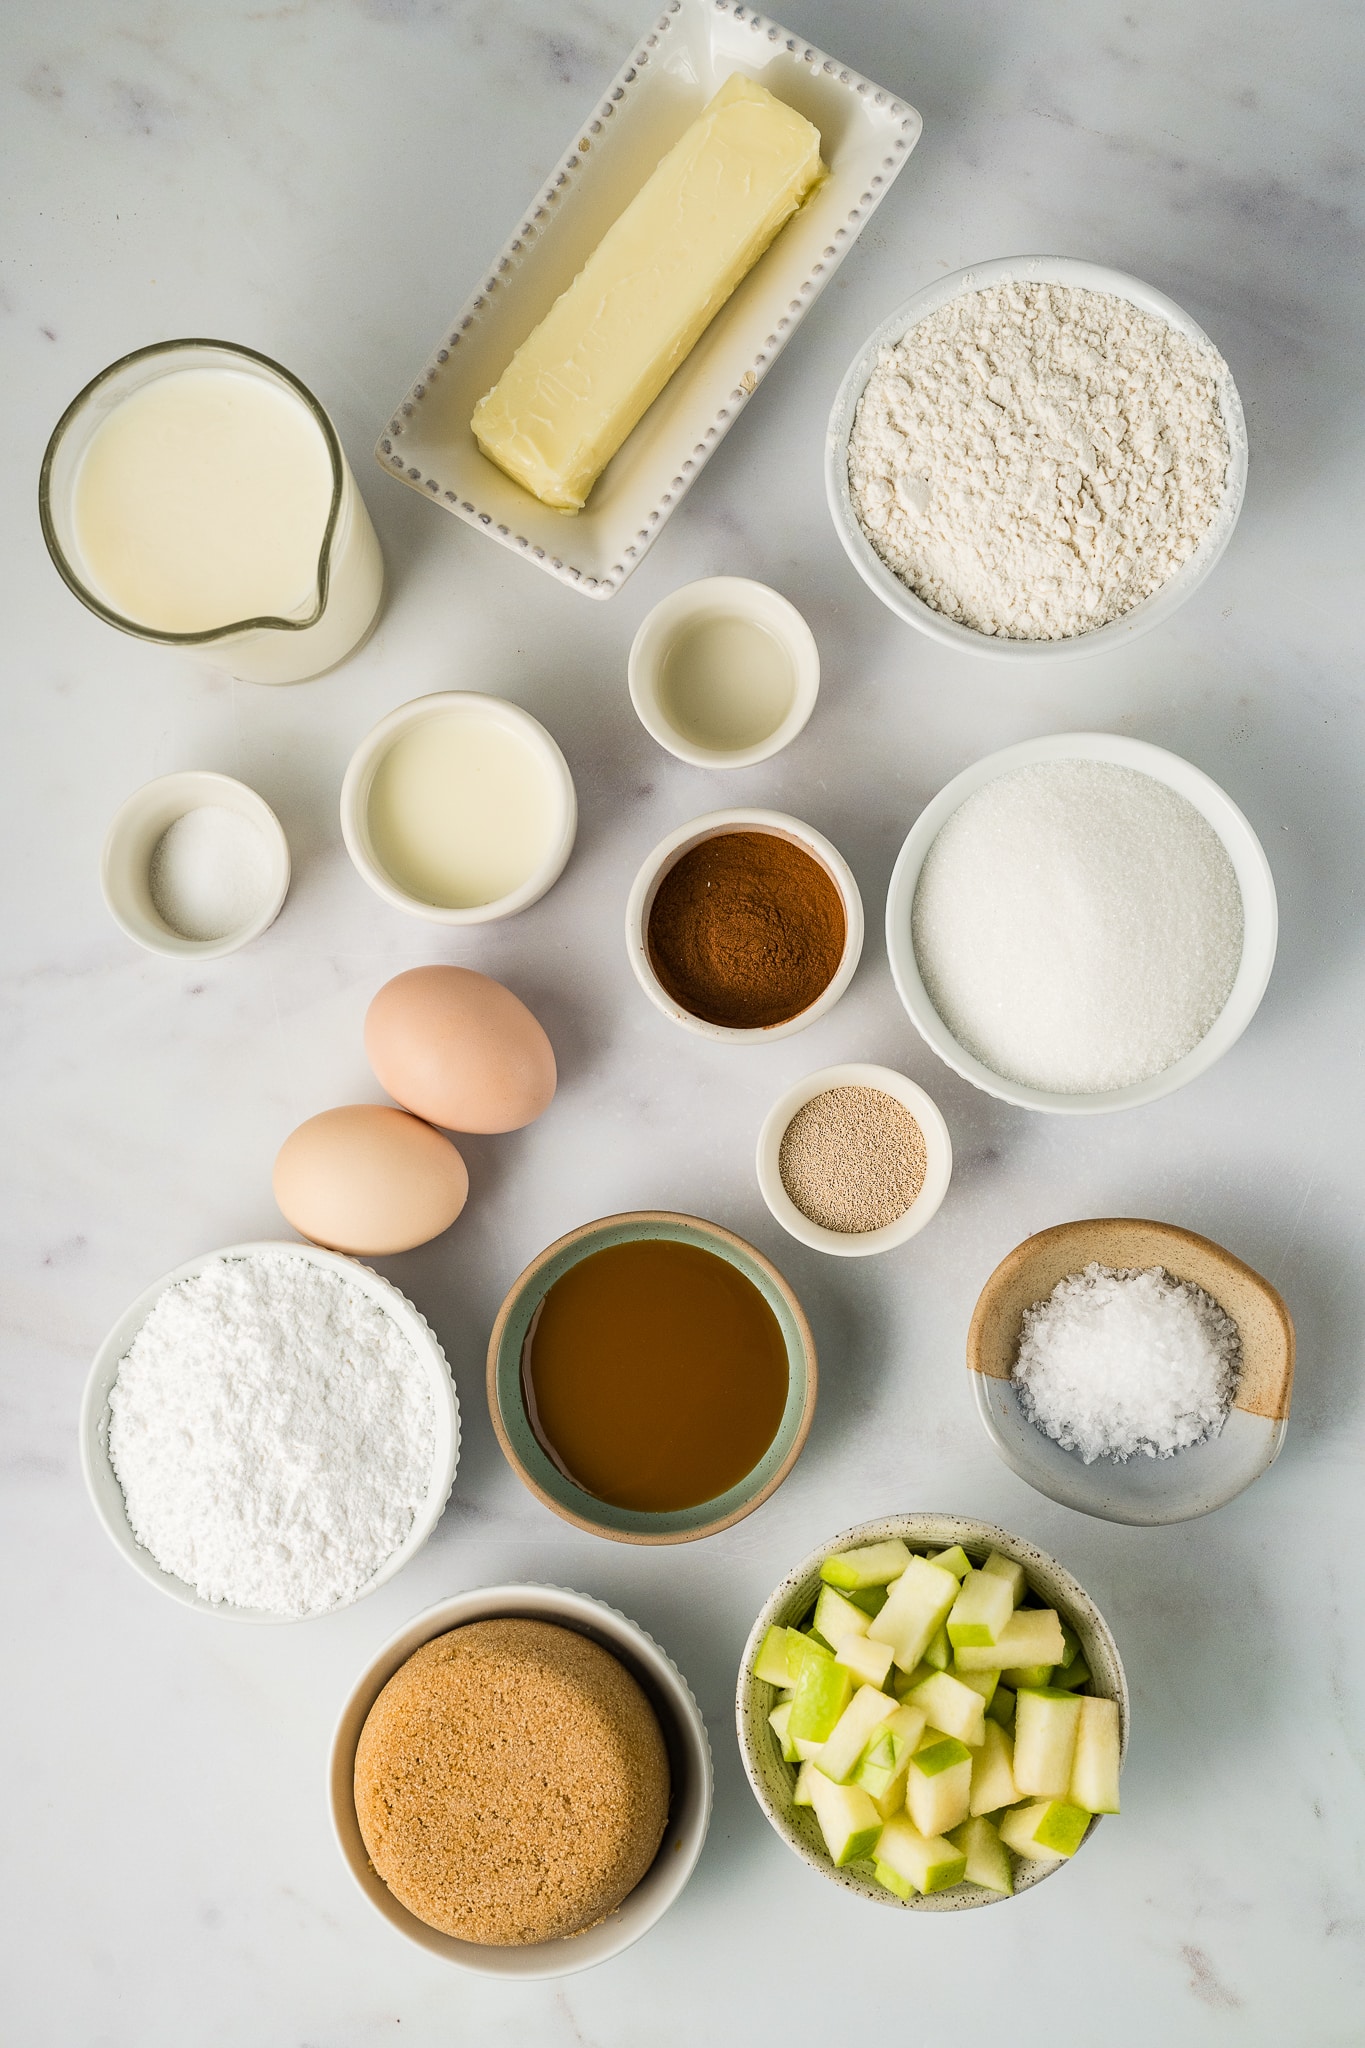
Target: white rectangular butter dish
pixel 866 135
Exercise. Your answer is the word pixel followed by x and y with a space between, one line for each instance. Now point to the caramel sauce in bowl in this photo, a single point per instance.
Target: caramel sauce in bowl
pixel 651 1377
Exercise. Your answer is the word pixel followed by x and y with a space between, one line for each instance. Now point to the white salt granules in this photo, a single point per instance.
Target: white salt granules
pixel 1078 926
pixel 273 1431
pixel 1115 1362
pixel 210 873
pixel 1035 459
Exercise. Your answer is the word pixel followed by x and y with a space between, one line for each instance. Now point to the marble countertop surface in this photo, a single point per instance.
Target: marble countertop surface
pixel 325 179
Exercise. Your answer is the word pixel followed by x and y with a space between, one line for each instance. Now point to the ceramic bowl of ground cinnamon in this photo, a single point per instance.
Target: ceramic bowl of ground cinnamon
pixel 744 925
pixel 854 1159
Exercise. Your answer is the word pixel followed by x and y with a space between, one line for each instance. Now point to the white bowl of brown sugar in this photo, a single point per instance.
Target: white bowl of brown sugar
pixel 854 1159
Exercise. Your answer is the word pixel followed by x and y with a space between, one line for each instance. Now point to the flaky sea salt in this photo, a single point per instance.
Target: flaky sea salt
pixel 1120 1361
pixel 1078 926
pixel 273 1431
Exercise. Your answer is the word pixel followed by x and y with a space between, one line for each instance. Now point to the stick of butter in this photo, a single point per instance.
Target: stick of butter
pixel 660 274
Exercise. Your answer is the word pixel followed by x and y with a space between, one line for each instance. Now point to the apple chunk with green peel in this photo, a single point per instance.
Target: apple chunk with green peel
pixel 1045 1725
pixel 1044 1828
pixel 1095 1767
pixel 938 1786
pixel 849 1822
pixel 948 1704
pixel 852 1732
pixel 868 1661
pixel 1032 1635
pixel 871 1564
pixel 993 1783
pixel 823 1690
pixel 926 1861
pixel 955 1561
pixel 883 1764
pixel 987 1862
pixel 916 1608
pixel 1005 1568
pixel 836 1619
pixel 981 1611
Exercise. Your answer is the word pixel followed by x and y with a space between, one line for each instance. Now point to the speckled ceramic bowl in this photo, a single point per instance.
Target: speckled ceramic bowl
pixel 689 1763
pixel 773 1780
pixel 1145 1491
pixel 547 1482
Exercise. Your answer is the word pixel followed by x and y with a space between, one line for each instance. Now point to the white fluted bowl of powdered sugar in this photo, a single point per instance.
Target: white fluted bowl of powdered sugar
pixel 270 1432
pixel 1081 923
pixel 1036 458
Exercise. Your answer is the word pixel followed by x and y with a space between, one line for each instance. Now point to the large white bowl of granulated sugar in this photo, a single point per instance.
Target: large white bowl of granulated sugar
pixel 270 1432
pixel 1081 923
pixel 1036 458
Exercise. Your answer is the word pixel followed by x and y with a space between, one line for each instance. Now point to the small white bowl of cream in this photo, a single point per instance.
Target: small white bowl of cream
pixel 194 865
pixel 459 808
pixel 724 673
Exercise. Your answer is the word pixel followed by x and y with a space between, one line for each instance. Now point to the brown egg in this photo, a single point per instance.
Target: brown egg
pixel 369 1179
pixel 460 1050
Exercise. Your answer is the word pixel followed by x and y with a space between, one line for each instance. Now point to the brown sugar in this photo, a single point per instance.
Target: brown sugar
pixel 511 1783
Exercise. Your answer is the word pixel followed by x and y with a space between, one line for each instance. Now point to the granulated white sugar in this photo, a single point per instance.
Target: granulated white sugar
pixel 1034 459
pixel 210 873
pixel 273 1430
pixel 1120 1361
pixel 1078 926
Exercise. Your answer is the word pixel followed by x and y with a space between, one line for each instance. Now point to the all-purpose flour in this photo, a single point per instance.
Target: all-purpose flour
pixel 1035 459
pixel 273 1431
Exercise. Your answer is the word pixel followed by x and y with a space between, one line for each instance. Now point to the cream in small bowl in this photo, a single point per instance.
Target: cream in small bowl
pixel 854 1159
pixel 724 672
pixel 459 808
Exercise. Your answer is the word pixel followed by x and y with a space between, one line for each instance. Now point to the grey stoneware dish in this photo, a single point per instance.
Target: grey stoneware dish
pixel 1140 1490
pixel 773 1780
pixel 689 1763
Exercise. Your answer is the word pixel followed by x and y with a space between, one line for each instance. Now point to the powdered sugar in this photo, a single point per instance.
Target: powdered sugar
pixel 1035 459
pixel 273 1430
pixel 1120 1361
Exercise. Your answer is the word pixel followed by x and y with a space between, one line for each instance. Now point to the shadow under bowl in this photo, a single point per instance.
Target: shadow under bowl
pixel 1144 1491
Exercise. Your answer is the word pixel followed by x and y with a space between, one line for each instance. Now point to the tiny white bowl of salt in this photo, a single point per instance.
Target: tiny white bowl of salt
pixel 1132 1370
pixel 1081 923
pixel 194 865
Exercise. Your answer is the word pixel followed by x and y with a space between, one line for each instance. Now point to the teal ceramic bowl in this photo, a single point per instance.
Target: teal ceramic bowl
pixel 534 1467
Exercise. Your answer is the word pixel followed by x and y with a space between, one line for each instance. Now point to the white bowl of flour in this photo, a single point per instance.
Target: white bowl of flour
pixel 270 1432
pixel 1036 458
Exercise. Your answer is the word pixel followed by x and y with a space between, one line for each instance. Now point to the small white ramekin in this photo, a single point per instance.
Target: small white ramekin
pixel 716 597
pixel 938 1169
pixel 670 851
pixel 101 1481
pixel 359 779
pixel 898 596
pixel 1244 850
pixel 137 825
pixel 689 1762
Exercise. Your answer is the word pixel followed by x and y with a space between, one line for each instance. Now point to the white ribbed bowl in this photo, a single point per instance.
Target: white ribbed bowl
pixel 107 1495
pixel 689 1762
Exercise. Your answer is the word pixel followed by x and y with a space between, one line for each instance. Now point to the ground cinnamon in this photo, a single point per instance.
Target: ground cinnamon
pixel 746 930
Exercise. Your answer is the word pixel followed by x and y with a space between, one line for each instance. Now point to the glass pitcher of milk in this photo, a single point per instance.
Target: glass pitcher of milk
pixel 195 494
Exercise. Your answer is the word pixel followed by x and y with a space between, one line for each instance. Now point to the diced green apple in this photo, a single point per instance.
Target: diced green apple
pixel 806 1750
pixel 893 1881
pixel 916 1609
pixel 1001 1708
pixel 771 1662
pixel 823 1690
pixel 801 1793
pixel 981 1611
pixel 1045 1728
pixel 939 1654
pixel 849 1737
pixel 1095 1767
pixel 1070 1645
pixel 836 1618
pixel 871 1599
pixel 903 1682
pixel 955 1561
pixel 1044 1828
pixel 888 1752
pixel 1030 1675
pixel 1076 1674
pixel 938 1787
pixel 1032 1635
pixel 778 1721
pixel 868 1661
pixel 993 1783
pixel 998 1567
pixel 872 1564
pixel 984 1682
pixel 948 1704
pixel 849 1822
pixel 988 1862
pixel 926 1860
